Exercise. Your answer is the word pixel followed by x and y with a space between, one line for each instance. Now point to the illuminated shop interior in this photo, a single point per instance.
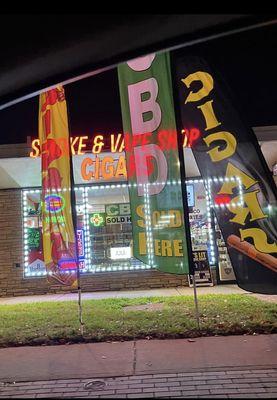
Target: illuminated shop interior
pixel 104 230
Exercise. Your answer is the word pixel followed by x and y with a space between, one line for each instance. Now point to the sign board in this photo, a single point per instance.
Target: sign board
pixel 34 238
pixel 118 209
pixel 120 219
pixel 120 253
pixel 226 272
pixel 118 213
pixel 37 266
pixel 97 220
pixel 203 275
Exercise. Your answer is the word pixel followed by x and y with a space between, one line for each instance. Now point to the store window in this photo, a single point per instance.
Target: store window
pixel 32 232
pixel 104 231
pixel 33 254
pixel 110 229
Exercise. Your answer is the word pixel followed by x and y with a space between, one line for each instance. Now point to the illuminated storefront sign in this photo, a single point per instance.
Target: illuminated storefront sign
pixel 118 213
pixel 118 209
pixel 102 219
pixel 113 143
pixel 97 219
pixel 102 158
pixel 94 168
pixel 54 203
pixel 80 243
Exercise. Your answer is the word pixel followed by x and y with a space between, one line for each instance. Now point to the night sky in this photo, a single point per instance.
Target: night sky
pixel 247 63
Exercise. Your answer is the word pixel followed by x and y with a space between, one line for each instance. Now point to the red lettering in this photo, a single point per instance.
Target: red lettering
pixel 167 140
pixel 132 166
pixel 194 134
pixel 145 138
pixel 222 199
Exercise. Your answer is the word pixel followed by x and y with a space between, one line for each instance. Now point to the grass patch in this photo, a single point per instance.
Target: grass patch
pixel 57 322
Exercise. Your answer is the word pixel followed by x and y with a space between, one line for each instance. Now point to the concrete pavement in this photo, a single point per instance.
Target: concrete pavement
pixel 176 291
pixel 237 366
pixel 136 357
pixel 204 367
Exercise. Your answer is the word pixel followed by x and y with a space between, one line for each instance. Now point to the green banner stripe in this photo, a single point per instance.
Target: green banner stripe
pixel 152 163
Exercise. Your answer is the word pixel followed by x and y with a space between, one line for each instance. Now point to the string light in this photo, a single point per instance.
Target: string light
pixel 133 265
pixel 209 219
pixel 149 232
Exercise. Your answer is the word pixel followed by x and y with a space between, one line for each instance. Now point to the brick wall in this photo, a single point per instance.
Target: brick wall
pixel 12 282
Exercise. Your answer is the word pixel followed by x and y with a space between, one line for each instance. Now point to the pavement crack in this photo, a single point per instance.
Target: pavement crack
pixel 134 357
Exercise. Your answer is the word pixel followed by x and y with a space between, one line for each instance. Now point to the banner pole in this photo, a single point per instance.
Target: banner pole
pixel 195 302
pixel 74 219
pixel 80 302
pixel 180 140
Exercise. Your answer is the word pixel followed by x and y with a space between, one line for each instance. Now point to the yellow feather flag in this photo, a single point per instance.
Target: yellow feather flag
pixel 59 243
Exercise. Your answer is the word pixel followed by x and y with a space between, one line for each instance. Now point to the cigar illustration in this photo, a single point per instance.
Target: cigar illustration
pixel 249 250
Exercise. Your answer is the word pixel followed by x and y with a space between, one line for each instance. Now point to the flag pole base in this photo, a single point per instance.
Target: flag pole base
pixel 80 312
pixel 195 302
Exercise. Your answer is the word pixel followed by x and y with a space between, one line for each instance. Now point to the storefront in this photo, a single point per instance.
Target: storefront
pixel 104 229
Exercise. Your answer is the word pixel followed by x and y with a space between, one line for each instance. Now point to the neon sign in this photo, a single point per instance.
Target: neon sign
pixel 222 199
pixel 106 168
pixel 113 143
pixel 54 203
pixel 80 243
pixel 97 219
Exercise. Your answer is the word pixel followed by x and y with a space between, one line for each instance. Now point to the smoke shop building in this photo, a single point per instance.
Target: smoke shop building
pixel 104 230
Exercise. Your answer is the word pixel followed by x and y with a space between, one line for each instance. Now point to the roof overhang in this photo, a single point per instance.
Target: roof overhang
pixel 18 170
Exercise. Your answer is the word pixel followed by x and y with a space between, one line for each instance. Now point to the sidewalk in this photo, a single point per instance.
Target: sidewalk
pixel 204 367
pixel 176 291
pixel 237 366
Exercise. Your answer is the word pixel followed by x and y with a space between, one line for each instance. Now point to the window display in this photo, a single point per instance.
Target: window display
pixel 104 230
pixel 202 237
pixel 110 229
pixel 226 272
pixel 33 255
pixel 32 232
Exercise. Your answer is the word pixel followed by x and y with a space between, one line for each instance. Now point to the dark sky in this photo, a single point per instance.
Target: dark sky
pixel 247 62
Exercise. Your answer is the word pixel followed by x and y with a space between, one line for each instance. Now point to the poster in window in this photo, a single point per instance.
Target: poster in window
pixel 202 270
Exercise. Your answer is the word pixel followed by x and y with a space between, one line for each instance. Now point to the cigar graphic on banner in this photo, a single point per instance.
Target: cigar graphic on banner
pixel 59 247
pixel 246 248
pixel 241 189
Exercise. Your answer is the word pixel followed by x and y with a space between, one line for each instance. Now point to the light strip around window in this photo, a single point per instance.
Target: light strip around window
pixel 124 266
pixel 25 233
